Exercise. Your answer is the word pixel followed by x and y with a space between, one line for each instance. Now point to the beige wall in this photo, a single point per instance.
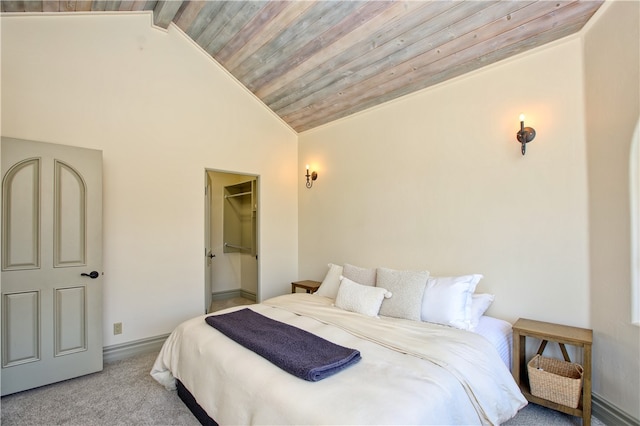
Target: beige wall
pixel 162 112
pixel 612 109
pixel 436 181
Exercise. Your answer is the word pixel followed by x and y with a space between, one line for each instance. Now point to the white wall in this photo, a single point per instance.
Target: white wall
pixel 612 87
pixel 162 112
pixel 436 181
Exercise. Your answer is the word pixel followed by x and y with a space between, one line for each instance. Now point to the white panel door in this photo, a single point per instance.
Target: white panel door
pixel 51 307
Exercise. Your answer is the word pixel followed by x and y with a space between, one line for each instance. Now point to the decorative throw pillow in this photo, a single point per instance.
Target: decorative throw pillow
pixel 364 276
pixel 447 300
pixel 358 298
pixel 407 288
pixel 480 302
pixel 331 282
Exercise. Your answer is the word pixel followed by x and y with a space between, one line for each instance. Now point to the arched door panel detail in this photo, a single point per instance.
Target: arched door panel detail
pixel 21 216
pixel 70 222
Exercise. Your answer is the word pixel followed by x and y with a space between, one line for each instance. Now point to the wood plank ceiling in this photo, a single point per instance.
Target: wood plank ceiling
pixel 313 62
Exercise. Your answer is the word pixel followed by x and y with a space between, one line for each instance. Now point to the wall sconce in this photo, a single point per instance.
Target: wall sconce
pixel 313 177
pixel 525 135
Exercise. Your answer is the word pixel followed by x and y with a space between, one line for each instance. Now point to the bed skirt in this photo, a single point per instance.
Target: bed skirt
pixel 193 405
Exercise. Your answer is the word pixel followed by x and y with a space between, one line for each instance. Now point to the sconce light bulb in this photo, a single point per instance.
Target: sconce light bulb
pixel 521 117
pixel 307 167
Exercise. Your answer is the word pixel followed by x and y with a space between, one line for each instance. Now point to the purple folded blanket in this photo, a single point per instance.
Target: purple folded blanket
pixel 296 351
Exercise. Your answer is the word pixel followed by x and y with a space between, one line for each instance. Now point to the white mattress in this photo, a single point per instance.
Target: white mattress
pixel 500 334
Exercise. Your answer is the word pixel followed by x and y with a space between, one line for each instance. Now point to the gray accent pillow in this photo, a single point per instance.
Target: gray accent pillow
pixel 364 276
pixel 407 288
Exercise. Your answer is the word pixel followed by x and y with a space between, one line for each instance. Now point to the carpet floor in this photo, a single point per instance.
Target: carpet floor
pixel 125 394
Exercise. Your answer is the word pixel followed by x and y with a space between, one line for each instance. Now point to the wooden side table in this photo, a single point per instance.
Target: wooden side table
pixel 308 285
pixel 561 334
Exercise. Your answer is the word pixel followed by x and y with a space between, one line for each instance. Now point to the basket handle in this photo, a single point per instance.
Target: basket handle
pixel 565 355
pixel 543 345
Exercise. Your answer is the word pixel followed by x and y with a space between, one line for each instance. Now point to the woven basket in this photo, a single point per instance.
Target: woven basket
pixel 555 380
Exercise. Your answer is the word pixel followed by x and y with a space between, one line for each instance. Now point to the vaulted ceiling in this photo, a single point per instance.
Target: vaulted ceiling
pixel 313 62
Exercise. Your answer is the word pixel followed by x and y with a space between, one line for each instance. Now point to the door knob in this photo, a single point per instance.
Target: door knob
pixel 211 255
pixel 93 275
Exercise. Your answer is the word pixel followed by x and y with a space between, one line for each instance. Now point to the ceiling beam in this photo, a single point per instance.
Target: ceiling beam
pixel 164 12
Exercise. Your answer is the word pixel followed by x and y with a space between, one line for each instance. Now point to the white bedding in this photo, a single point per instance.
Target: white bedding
pixel 411 372
pixel 499 333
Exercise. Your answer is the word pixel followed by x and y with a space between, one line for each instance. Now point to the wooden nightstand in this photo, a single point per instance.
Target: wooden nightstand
pixel 561 334
pixel 310 286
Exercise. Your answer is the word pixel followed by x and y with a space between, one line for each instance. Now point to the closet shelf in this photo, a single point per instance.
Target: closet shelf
pixel 237 247
pixel 238 195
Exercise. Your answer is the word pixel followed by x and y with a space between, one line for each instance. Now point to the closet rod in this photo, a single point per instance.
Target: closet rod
pixel 237 247
pixel 237 195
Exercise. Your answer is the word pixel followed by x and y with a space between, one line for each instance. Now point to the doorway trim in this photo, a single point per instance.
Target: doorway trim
pixel 209 237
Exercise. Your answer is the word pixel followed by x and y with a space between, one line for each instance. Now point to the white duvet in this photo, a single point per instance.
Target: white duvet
pixel 410 373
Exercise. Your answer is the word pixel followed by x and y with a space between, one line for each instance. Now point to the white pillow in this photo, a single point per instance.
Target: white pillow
pixel 480 302
pixel 407 288
pixel 358 298
pixel 331 282
pixel 364 276
pixel 447 300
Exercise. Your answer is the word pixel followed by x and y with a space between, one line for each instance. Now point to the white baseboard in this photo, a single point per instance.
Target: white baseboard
pixel 248 295
pixel 138 347
pixel 609 414
pixel 230 294
pixel 153 344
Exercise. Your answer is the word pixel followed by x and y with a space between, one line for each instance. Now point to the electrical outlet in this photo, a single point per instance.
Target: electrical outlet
pixel 117 328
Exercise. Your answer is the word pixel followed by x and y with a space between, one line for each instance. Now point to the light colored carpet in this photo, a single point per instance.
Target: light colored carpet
pixel 122 394
pixel 125 394
pixel 536 415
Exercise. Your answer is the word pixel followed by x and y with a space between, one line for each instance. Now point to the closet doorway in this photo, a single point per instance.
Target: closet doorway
pixel 231 243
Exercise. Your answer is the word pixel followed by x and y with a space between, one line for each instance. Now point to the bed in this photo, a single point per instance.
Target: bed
pixel 410 372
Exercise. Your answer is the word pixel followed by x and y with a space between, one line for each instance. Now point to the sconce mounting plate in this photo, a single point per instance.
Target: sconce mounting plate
pixel 524 136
